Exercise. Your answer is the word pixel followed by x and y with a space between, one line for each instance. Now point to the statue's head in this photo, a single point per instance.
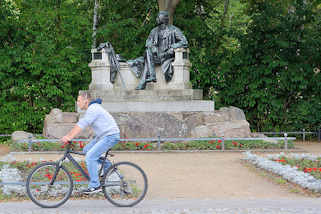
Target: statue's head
pixel 163 17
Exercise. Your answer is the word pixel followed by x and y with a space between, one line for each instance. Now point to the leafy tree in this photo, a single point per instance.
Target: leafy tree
pixel 265 60
pixel 272 76
pixel 45 59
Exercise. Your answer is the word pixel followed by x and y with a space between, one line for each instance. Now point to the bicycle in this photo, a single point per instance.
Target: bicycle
pixel 50 184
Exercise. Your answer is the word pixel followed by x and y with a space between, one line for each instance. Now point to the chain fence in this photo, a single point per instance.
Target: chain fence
pixel 159 139
pixel 302 134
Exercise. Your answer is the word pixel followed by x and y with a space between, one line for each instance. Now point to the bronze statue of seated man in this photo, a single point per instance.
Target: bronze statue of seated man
pixel 160 46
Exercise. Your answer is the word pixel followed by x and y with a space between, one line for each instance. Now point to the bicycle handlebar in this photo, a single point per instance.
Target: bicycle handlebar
pixel 78 153
pixel 69 143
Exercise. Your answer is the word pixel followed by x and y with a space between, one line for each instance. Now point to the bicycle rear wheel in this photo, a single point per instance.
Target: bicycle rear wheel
pixel 125 184
pixel 42 193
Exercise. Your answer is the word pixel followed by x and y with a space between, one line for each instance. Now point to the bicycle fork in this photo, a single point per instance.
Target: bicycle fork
pixel 58 166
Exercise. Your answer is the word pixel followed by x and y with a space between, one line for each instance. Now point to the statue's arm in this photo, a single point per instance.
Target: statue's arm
pixel 150 41
pixel 181 40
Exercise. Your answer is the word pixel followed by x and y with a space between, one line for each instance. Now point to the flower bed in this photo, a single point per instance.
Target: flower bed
pixel 307 163
pixel 14 174
pixel 288 168
pixel 150 146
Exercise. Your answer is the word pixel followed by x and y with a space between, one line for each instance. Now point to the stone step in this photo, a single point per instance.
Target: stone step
pixel 149 95
pixel 160 106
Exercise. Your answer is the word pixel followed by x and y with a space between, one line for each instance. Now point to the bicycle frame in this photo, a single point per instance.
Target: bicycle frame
pixel 68 155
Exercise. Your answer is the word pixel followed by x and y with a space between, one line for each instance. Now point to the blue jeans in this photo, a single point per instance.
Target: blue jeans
pixel 93 151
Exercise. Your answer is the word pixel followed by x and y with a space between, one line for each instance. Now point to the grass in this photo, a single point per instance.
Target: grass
pixel 280 181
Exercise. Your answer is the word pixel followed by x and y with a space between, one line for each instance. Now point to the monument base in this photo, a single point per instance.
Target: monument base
pixel 227 122
pixel 161 100
pixel 160 106
pixel 117 95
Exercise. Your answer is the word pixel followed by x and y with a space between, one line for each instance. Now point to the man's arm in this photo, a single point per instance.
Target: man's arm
pixel 74 131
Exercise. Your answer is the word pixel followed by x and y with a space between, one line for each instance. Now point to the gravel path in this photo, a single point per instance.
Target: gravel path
pixel 184 183
pixel 195 206
pixel 214 175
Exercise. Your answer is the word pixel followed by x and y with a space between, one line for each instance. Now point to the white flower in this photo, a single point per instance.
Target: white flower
pixel 286 171
pixel 11 175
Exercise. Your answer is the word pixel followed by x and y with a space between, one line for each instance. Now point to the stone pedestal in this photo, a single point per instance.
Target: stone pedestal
pixel 100 71
pixel 160 106
pixel 181 77
pixel 174 96
pixel 126 80
pixel 227 122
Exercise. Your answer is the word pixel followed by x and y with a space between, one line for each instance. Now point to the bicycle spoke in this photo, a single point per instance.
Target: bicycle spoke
pixel 125 184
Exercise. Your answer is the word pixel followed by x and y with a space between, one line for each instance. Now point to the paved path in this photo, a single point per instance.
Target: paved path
pixel 214 175
pixel 191 206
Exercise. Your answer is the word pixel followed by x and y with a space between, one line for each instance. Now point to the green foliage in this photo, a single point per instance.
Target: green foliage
pixel 5 141
pixel 44 50
pixel 205 35
pixel 126 25
pixel 264 60
pixel 273 76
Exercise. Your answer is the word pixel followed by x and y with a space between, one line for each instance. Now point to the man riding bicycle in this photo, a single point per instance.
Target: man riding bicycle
pixel 106 131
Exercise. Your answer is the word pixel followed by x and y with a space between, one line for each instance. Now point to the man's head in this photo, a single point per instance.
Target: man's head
pixel 83 99
pixel 162 18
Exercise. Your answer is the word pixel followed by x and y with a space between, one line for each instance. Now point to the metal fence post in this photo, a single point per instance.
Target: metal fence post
pixel 285 141
pixel 303 134
pixel 158 142
pixel 159 138
pixel 223 145
pixel 319 135
pixel 29 143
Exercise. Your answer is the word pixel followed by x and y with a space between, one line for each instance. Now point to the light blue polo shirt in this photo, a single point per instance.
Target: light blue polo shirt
pixel 100 120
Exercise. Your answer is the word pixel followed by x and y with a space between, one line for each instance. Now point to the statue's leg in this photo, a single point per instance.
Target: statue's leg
pixel 143 78
pixel 142 82
pixel 167 69
pixel 150 66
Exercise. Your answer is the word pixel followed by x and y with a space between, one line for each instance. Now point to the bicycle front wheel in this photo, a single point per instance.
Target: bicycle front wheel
pixel 125 184
pixel 42 192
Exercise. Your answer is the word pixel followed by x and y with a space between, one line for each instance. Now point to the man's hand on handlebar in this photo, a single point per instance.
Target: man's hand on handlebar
pixel 65 139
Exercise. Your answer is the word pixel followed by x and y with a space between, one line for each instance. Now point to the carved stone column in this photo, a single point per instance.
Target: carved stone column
pixel 181 78
pixel 100 71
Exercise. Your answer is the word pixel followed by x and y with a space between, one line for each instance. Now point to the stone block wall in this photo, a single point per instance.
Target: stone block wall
pixel 227 122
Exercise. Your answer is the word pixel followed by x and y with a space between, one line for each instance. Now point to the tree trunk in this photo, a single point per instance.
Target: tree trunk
pixel 170 6
pixel 95 21
pixel 226 6
pixel 223 19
